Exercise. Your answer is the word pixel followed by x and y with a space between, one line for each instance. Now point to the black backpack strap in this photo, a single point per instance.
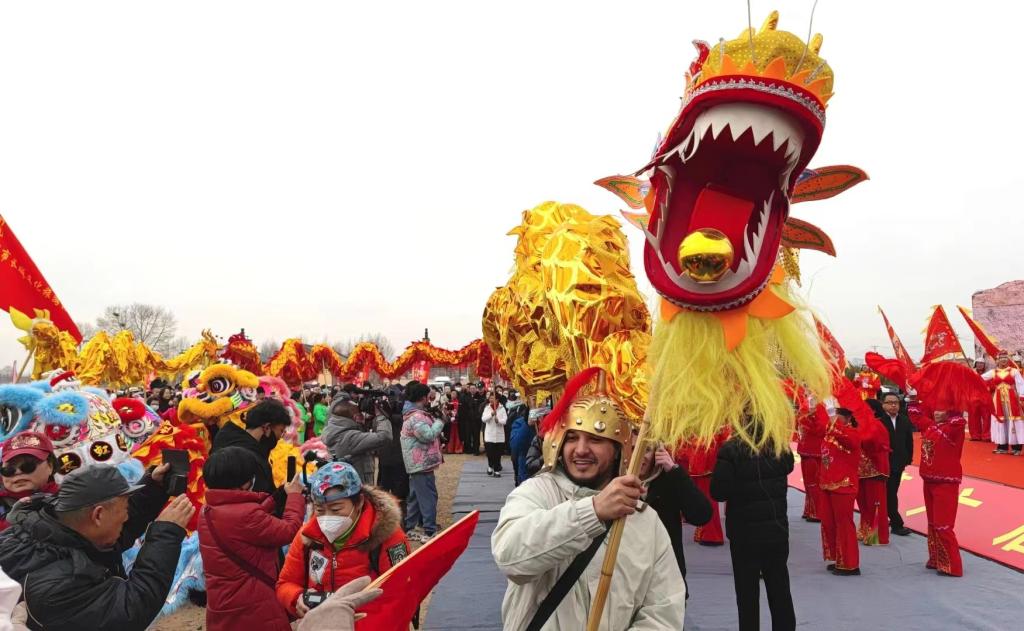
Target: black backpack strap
pixel 375 561
pixel 564 584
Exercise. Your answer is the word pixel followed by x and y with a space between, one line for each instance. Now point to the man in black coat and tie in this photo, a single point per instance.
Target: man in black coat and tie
pixel 901 440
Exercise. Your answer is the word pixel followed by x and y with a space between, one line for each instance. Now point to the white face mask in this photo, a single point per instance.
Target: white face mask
pixel 333 526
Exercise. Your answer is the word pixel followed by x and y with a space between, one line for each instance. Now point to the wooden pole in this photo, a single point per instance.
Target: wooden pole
pixel 615 537
pixel 23 366
pixel 615 533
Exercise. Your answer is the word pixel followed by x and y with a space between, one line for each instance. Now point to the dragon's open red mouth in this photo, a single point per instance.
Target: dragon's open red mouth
pixel 729 174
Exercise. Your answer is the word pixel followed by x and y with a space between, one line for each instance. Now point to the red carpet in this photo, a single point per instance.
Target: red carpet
pixel 979 462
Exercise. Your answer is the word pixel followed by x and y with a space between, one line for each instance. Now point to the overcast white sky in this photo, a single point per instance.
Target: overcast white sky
pixel 332 168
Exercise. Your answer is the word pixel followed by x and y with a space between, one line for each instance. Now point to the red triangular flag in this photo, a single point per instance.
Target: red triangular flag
pixel 897 345
pixel 832 350
pixel 940 341
pixel 990 345
pixel 406 585
pixel 24 287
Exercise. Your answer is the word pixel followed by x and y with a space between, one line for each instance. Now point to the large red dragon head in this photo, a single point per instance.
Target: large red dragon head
pixel 723 177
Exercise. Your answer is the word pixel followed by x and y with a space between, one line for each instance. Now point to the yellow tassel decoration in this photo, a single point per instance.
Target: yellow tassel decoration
pixel 700 387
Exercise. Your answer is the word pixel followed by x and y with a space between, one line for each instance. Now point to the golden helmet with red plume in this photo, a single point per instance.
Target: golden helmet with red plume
pixel 585 406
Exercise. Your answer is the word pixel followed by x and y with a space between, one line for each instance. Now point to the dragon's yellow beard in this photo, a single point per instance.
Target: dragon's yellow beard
pixel 699 387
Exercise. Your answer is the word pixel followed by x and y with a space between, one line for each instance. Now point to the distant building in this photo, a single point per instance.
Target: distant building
pixel 1000 311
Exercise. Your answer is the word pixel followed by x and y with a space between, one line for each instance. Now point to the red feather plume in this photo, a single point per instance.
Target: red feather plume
pixel 892 369
pixel 572 389
pixel 951 386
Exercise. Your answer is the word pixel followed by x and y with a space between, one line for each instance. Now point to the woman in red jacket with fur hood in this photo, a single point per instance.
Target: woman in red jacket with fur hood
pixel 356 532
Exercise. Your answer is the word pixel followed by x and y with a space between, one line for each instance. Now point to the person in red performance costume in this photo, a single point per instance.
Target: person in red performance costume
pixel 838 478
pixel 700 463
pixel 868 384
pixel 942 443
pixel 1007 387
pixel 979 429
pixel 874 475
pixel 810 427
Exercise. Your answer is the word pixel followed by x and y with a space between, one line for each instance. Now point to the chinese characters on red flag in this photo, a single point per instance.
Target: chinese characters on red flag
pixel 940 341
pixel 24 287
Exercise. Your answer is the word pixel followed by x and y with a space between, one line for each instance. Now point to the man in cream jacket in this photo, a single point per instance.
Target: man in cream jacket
pixel 553 517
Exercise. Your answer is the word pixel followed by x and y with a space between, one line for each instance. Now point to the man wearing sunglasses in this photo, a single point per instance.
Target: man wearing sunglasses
pixel 27 468
pixel 66 549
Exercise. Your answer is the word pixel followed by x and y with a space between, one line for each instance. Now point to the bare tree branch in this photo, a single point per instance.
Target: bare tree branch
pixel 267 350
pixel 154 326
pixel 383 345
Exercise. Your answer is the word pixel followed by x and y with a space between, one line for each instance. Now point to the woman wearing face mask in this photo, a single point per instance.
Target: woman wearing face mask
pixel 239 539
pixel 28 468
pixel 355 532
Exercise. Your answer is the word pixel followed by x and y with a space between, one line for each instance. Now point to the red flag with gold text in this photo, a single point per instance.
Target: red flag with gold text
pixel 940 341
pixel 897 345
pixel 23 287
pixel 406 584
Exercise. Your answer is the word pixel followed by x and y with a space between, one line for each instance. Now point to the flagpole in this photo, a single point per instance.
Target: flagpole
pixel 615 533
pixel 23 367
pixel 615 536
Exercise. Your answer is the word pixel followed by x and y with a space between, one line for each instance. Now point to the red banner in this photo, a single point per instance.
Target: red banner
pixel 833 350
pixel 406 585
pixel 990 345
pixel 24 287
pixel 897 345
pixel 421 370
pixel 940 341
pixel 989 521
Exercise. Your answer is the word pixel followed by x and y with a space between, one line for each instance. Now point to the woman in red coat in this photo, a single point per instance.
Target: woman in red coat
pixel 840 461
pixel 942 443
pixel 239 539
pixel 356 532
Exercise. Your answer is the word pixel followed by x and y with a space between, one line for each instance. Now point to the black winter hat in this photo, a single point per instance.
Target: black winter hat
pixel 416 391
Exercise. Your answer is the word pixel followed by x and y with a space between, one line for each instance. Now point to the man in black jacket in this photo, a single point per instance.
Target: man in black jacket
pixel 754 486
pixel 265 423
pixel 468 420
pixel 673 495
pixel 66 551
pixel 391 475
pixel 901 441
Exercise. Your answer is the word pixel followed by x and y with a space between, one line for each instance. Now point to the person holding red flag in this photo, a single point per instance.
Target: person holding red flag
pixel 945 390
pixel 942 443
pixel 840 461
